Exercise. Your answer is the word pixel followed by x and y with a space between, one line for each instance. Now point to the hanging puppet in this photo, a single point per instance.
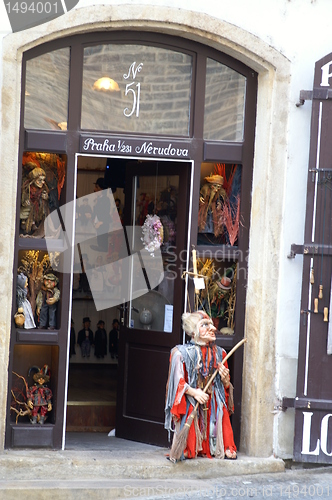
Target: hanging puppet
pixel 192 366
pixel 211 202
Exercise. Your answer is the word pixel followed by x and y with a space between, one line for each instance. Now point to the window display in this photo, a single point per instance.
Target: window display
pixel 33 382
pixel 219 204
pixel 37 291
pixel 43 178
pixel 218 297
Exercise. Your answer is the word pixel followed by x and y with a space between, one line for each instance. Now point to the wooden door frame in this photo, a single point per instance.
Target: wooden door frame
pixel 159 343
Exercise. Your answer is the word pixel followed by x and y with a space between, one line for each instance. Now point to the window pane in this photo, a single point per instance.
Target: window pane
pixel 155 207
pixel 46 91
pixel 219 204
pixel 145 89
pixel 224 103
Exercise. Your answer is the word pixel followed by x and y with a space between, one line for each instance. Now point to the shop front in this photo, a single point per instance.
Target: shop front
pixel 158 132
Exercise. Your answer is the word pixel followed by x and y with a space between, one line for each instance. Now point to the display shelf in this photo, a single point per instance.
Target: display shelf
pixel 40 244
pixel 32 436
pixel 37 336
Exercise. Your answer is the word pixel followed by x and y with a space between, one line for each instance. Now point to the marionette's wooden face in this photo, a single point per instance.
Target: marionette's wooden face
pixel 49 283
pixel 39 181
pixel 207 331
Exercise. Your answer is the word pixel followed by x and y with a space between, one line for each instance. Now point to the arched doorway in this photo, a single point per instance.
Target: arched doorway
pixel 177 103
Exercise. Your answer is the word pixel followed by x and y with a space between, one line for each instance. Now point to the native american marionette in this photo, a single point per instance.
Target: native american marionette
pixel 219 205
pixel 24 315
pixel 47 301
pixel 34 201
pixel 205 430
pixel 211 202
pixel 39 396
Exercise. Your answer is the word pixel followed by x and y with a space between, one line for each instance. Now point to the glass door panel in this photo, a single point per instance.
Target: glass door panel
pixel 154 230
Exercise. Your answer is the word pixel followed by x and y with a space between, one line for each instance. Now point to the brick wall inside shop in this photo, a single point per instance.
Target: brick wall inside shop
pixel 164 81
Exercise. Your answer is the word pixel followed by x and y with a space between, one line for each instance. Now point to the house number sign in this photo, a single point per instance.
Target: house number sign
pixel 133 89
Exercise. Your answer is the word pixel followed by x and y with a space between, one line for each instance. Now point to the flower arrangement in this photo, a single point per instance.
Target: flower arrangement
pixel 153 233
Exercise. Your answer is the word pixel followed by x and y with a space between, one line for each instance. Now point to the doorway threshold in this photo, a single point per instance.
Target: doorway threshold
pixel 100 441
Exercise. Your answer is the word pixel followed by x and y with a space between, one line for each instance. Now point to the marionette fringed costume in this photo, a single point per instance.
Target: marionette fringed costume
pixel 191 366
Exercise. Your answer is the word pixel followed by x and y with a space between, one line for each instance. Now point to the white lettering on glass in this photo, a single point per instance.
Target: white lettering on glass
pixel 326 75
pixel 134 89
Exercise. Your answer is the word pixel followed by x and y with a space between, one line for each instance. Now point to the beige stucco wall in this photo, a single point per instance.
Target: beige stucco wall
pixel 267 203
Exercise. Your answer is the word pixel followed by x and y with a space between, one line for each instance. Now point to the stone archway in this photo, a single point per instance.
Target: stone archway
pixel 273 70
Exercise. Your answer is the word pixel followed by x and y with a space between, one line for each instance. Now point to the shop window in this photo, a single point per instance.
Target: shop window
pixel 37 282
pixel 136 88
pixel 43 179
pixel 224 103
pixel 28 360
pixel 46 91
pixel 219 216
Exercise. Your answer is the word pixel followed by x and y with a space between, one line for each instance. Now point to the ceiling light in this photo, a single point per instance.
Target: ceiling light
pixel 106 84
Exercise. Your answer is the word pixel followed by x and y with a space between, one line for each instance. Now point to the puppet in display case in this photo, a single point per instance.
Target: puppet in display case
pixel 32 402
pixel 37 292
pixel 47 302
pixel 42 183
pixel 39 396
pixel 219 206
pixel 24 315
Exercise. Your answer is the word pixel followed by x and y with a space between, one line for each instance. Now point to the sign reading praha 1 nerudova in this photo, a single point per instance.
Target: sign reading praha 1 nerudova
pixel 115 146
pixel 313 402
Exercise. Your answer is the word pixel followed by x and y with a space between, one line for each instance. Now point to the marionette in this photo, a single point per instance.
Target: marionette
pixel 199 394
pixel 100 340
pixel 34 201
pixel 114 338
pixel 85 338
pixel 39 396
pixel 211 201
pixel 47 302
pixel 24 315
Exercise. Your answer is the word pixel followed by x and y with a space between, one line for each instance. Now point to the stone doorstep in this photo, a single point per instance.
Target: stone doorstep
pixel 74 468
pixel 101 489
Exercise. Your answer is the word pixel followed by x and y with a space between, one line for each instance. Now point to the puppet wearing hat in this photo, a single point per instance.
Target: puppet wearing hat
pixel 191 367
pixel 47 301
pixel 34 201
pixel 85 338
pixel 39 396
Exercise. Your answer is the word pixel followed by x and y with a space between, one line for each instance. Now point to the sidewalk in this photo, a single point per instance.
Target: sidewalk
pixel 97 466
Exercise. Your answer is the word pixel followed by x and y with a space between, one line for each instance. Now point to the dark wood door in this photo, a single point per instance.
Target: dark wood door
pixel 151 322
